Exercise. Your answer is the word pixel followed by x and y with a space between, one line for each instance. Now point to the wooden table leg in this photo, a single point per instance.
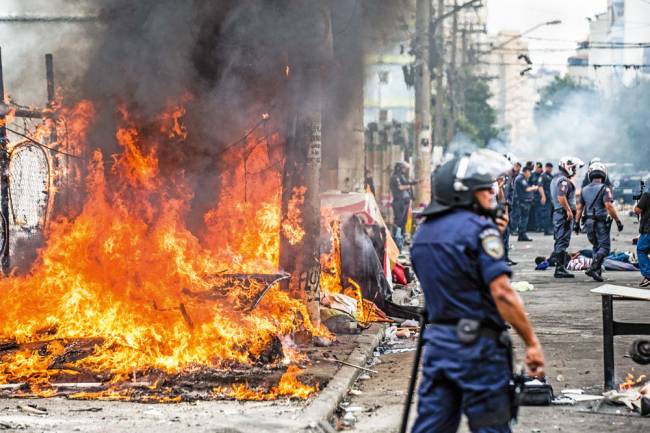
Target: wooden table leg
pixel 608 341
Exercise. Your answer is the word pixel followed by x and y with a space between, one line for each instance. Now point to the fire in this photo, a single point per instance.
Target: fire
pixel 331 275
pixel 631 382
pixel 124 287
pixel 292 225
pixel 332 280
pixel 9 117
pixel 289 386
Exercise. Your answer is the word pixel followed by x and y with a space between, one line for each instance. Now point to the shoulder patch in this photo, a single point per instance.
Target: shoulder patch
pixel 489 231
pixel 492 243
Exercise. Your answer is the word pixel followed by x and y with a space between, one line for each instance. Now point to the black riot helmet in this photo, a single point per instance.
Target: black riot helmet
pixel 455 181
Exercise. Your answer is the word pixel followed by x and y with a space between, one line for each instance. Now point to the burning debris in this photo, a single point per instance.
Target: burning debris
pixel 634 393
pixel 124 289
pixel 182 208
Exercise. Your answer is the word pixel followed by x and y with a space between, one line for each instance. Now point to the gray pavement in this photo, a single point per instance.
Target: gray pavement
pixel 567 318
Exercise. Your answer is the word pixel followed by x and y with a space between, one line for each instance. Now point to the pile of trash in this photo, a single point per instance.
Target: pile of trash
pixel 634 394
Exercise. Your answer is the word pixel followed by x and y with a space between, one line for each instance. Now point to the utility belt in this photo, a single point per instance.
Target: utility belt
pixel 469 331
pixel 599 219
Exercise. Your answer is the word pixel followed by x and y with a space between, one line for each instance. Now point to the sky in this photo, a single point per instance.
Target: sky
pixel 521 15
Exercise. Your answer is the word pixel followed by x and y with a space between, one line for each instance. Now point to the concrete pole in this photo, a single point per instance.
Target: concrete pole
pixel 423 103
pixel 451 77
pixel 303 160
pixel 440 87
pixel 343 128
pixel 462 78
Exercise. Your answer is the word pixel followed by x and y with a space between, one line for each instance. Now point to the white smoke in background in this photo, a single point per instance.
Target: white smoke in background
pixel 583 126
pixel 587 124
pixel 461 144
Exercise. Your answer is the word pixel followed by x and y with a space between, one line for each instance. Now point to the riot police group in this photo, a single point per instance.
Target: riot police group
pixel 549 201
pixel 469 300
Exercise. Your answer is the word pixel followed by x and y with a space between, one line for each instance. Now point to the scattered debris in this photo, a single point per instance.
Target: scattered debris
pixel 346 363
pixel 523 286
pixel 355 392
pixel 32 409
pixel 348 420
pixel 410 323
pixel 403 333
pixel 399 350
pixel 636 398
pixel 87 409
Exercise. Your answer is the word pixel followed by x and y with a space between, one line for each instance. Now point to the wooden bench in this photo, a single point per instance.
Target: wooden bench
pixel 611 328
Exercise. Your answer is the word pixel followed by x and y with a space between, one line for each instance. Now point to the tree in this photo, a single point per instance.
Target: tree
pixel 479 118
pixel 554 96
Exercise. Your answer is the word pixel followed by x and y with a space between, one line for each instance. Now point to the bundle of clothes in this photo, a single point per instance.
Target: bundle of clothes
pixel 581 261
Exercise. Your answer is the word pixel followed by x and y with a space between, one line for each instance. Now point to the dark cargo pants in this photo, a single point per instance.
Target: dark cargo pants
pixel 458 378
pixel 562 229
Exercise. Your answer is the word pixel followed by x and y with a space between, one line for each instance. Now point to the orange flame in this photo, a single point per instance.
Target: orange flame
pixel 128 278
pixel 631 381
pixel 292 225
pixel 330 277
pixel 289 386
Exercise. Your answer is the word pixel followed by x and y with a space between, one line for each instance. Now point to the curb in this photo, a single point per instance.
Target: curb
pixel 322 408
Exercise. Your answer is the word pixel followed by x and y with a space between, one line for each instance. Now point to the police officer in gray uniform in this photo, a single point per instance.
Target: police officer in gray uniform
pixel 563 196
pixel 596 208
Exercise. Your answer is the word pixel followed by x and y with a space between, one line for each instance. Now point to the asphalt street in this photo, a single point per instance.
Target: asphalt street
pixel 568 320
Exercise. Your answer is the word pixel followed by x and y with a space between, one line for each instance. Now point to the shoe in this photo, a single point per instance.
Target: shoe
pixel 596 275
pixel 524 239
pixel 645 283
pixel 511 263
pixel 561 272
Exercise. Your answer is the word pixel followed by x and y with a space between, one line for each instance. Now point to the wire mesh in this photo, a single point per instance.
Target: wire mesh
pixel 28 186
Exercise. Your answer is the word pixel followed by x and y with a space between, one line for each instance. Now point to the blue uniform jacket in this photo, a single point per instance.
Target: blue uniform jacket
pixel 456 256
pixel 521 184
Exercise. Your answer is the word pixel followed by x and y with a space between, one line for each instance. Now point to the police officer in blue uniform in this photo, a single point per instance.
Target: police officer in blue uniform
pixel 563 196
pixel 512 197
pixel 539 199
pixel 596 208
pixel 545 211
pixel 524 193
pixel 458 256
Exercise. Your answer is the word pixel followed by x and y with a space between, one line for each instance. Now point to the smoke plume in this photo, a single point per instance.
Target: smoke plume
pixel 588 124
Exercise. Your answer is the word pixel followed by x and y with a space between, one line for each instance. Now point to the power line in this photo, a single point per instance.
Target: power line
pixel 595 66
pixel 38 143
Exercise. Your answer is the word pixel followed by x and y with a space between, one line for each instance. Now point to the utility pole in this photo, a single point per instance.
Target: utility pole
pixel 440 72
pixel 463 73
pixel 451 77
pixel 423 103
pixel 301 258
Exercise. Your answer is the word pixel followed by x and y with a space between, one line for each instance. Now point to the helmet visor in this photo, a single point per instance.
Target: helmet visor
pixel 483 164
